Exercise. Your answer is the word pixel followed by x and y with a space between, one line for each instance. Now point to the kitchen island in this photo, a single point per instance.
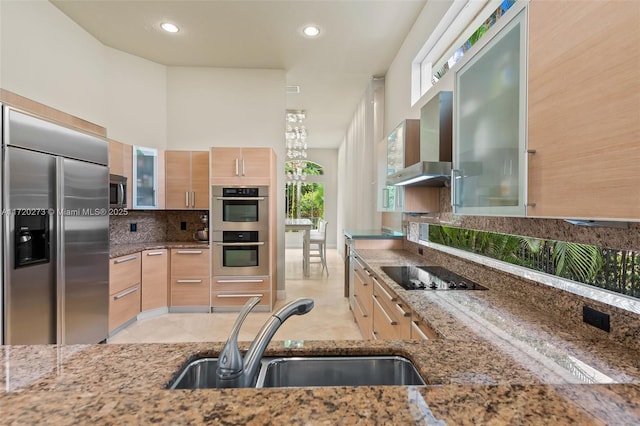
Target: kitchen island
pixel 496 362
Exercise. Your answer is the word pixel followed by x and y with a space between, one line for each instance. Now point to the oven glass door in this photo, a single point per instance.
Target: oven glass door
pixel 240 253
pixel 240 210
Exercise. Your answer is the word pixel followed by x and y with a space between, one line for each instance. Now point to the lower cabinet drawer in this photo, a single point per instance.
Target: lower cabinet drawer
pixel 421 331
pixel 239 298
pixel 239 284
pixel 363 317
pixel 190 291
pixel 390 324
pixel 123 306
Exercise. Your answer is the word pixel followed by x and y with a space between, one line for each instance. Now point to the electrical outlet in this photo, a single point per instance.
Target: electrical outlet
pixel 133 227
pixel 183 226
pixel 596 318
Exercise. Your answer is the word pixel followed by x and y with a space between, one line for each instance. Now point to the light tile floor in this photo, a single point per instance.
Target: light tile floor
pixel 330 319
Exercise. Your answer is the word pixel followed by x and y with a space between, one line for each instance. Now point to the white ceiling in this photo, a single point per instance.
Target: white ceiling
pixel 359 39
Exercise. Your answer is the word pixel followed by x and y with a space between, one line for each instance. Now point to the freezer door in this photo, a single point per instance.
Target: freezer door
pixel 84 202
pixel 30 290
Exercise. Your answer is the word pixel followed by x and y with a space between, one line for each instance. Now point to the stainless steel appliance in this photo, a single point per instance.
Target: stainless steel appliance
pixel 240 253
pixel 429 278
pixel 117 191
pixel 55 233
pixel 202 235
pixel 240 208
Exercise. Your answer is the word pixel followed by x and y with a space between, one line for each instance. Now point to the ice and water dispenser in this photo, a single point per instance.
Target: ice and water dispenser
pixel 31 238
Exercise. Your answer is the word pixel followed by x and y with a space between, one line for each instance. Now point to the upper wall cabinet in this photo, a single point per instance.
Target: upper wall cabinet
pixel 242 166
pixel 148 178
pixel 400 149
pixel 584 103
pixel 187 180
pixel 121 163
pixel 489 164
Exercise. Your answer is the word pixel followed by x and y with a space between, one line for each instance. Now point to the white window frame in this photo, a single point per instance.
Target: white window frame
pixel 461 20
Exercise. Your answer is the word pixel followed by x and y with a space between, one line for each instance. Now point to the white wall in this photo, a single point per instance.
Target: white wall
pixel 136 100
pixel 229 107
pixel 398 78
pixel 46 57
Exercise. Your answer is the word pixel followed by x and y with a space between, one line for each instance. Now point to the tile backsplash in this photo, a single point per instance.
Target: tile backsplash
pixel 154 225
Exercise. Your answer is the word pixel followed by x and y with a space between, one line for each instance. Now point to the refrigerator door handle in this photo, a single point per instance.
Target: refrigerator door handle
pixel 58 221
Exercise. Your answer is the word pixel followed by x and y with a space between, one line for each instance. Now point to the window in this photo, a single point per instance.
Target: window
pixel 304 198
pixel 461 27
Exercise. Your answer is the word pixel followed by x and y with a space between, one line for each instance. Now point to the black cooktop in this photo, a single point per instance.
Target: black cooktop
pixel 429 278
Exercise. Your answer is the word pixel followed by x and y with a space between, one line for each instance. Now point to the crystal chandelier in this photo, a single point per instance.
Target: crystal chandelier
pixel 296 144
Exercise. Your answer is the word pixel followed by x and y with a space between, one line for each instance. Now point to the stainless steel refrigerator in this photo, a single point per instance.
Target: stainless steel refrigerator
pixel 56 233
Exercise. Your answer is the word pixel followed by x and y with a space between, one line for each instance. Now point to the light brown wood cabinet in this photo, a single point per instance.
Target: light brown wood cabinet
pixel 121 163
pixel 583 103
pixel 187 180
pixel 363 297
pixel 391 318
pixel 242 166
pixel 124 289
pixel 235 291
pixel 190 277
pixel 155 276
pixel 421 199
pixel 420 330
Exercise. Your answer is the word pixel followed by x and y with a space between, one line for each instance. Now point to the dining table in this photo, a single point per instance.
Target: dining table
pixel 305 225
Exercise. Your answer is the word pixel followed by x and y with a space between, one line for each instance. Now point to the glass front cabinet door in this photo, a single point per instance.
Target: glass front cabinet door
pixel 489 160
pixel 145 178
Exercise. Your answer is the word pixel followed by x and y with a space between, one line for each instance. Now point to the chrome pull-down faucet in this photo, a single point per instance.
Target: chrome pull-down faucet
pixel 235 372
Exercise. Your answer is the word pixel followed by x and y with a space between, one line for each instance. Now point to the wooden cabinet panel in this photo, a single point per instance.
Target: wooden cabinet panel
pixel 123 306
pixel 177 179
pixel 124 271
pixel 237 299
pixel 155 277
pixel 363 298
pixel 391 319
pixel 116 160
pixel 190 284
pixel 583 103
pixel 241 284
pixel 420 199
pixel 187 180
pixel 251 166
pixel 200 179
pixel 420 330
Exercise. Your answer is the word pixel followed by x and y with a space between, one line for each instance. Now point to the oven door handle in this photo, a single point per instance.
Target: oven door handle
pixel 257 243
pixel 241 198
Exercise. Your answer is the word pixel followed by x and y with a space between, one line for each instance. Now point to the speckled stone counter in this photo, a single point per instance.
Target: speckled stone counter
pixel 117 250
pixel 498 362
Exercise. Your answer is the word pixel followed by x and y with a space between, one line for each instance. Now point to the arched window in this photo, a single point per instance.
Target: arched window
pixel 304 193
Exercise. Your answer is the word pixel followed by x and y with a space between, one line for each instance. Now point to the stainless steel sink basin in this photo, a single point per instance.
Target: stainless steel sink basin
pixel 309 371
pixel 198 374
pixel 338 371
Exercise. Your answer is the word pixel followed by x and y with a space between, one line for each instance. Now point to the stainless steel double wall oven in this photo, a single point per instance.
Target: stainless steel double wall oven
pixel 240 230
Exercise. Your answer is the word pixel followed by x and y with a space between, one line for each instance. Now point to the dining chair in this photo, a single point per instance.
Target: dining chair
pixel 318 244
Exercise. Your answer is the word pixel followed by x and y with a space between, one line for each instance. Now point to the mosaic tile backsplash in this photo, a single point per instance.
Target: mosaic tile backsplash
pixel 154 225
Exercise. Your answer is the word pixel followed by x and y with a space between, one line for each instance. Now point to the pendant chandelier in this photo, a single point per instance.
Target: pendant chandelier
pixel 296 144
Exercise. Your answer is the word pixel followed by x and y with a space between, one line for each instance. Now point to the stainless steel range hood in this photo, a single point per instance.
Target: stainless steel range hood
pixel 436 126
pixel 424 173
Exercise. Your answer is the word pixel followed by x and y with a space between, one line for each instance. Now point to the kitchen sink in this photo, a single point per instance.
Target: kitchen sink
pixel 309 371
pixel 198 374
pixel 338 371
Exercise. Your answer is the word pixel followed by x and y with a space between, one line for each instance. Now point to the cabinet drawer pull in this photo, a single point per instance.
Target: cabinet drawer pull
pixel 530 204
pixel 392 322
pixel 373 335
pixel 243 170
pixel 386 293
pixel 126 259
pixel 402 311
pixel 454 188
pixel 414 327
pixel 227 296
pixel 189 251
pixel 155 253
pixel 186 199
pixel 237 167
pixel 531 151
pixel 240 281
pixel 189 281
pixel 126 293
pixel 357 303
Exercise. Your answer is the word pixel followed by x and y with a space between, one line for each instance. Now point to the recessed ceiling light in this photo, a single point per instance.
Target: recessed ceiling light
pixel 311 31
pixel 169 27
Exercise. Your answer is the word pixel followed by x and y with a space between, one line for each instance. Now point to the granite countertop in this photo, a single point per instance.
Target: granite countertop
pixel 117 250
pixel 497 362
pixel 372 234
